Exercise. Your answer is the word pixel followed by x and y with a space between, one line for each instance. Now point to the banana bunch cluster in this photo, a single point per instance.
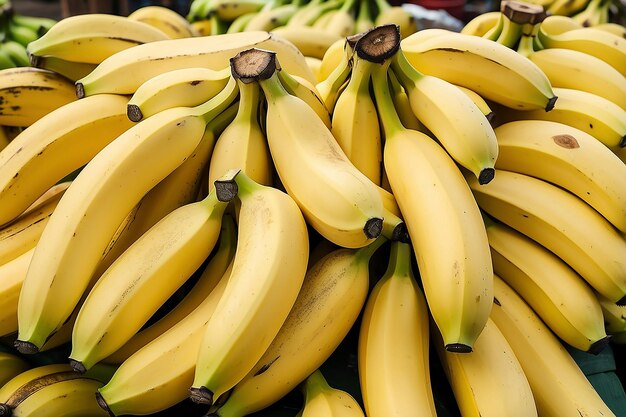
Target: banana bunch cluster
pixel 16 32
pixel 312 26
pixel 587 12
pixel 585 65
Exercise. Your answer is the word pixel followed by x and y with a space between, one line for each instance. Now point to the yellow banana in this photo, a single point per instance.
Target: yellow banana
pixel 309 40
pixel 332 58
pixel 166 20
pixel 614 316
pixel 396 15
pixel 322 400
pixel 10 366
pixel 69 69
pixel 303 89
pixel 481 24
pixel 334 83
pixel 12 276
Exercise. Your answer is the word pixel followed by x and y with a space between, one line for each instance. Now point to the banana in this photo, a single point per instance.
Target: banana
pixel 605 46
pixel 12 276
pixel 39 24
pixel 267 20
pixel 397 15
pixel 69 69
pixel 558 385
pixel 566 7
pixel 268 270
pixel 21 34
pixel 355 122
pixel 557 24
pixel 306 91
pixel 393 343
pixel 166 20
pixel 577 163
pixel 229 10
pixel 402 105
pixel 444 224
pixel 124 72
pixel 337 200
pixel 32 374
pixel 482 105
pixel 16 52
pixel 313 11
pixel 93 204
pixel 481 24
pixel 364 18
pixel 453 118
pixel 92 38
pixel 55 146
pixel 330 300
pixel 614 316
pixel 186 87
pixel 240 23
pixel 580 71
pixel 332 58
pixel 145 275
pixel 315 64
pixel 27 94
pixel 614 28
pixel 584 239
pixel 322 400
pixel 209 278
pixel 202 27
pixel 595 13
pixel 23 234
pixel 309 40
pixel 342 21
pixel 334 83
pixel 492 70
pixel 562 299
pixel 10 366
pixel 198 10
pixel 242 144
pixel 490 381
pixel 146 382
pixel 594 115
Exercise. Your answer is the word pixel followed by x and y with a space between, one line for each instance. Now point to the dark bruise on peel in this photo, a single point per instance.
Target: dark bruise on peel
pixel 265 367
pixel 566 141
pixel 497 302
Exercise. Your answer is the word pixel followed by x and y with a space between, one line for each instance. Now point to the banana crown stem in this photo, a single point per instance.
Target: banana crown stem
pixel 314 384
pixel 527 42
pixel 273 88
pixel 382 5
pixel 249 94
pixel 212 108
pixel 347 6
pixel 361 74
pixel 389 119
pixel 399 260
pixel 366 252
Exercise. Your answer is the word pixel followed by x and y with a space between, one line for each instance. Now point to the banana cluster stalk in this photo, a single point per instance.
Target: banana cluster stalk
pixel 320 399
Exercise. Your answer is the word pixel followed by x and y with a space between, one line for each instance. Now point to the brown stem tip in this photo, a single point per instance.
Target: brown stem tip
pixel 458 348
pixel 5 410
pixel 26 348
pixel 373 227
pixel 134 113
pixel 523 13
pixel 379 43
pixel 103 404
pixel 254 64
pixel 551 103
pixel 599 345
pixel 486 175
pixel 201 395
pixel 226 187
pixel 80 90
pixel 78 366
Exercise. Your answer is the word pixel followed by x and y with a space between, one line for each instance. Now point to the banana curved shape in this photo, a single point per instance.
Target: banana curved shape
pixel 92 209
pixel 562 299
pixel 349 209
pixel 569 158
pixel 364 18
pixel 184 87
pixel 559 386
pixel 336 81
pixel 315 64
pixel 393 343
pixel 23 234
pixel 55 146
pixel 342 22
pixel 309 40
pixel 322 400
pixel 166 20
pixel 453 118
pixel 614 28
pixel 594 115
pixel 396 15
pixel 69 69
pixel 145 275
pixel 92 38
pixel 595 13
pixel 10 366
pixel 330 300
pixel 614 316
pixel 584 239
pixel 19 381
pixel 215 269
pixel 492 70
pixel 580 71
pixel 267 20
pixel 268 270
pixel 12 275
pixel 146 382
pixel 355 122
pixel 125 71
pixel 402 105
pixel 483 106
pixel 566 7
pixel 229 10
pixel 242 144
pixel 307 92
pixel 601 44
pixel 481 24
pixel 332 58
pixel 490 382
pixel 27 94
pixel 444 224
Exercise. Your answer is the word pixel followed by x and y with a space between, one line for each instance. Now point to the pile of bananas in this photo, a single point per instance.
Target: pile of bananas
pixel 207 218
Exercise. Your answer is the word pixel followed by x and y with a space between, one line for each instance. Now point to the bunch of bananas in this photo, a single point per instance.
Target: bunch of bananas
pixel 207 217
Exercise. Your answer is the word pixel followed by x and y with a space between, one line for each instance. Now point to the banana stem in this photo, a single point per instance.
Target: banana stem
pixel 272 87
pixel 366 252
pixel 210 109
pixel 389 118
pixel 314 384
pixel 249 94
pixel 399 259
pixel 219 123
pixel 347 6
pixel 364 13
pixel 527 42
pixel 382 5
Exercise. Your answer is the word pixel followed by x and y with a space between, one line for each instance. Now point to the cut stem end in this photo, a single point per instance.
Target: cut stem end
pixel 253 64
pixel 379 44
pixel 201 395
pixel 26 348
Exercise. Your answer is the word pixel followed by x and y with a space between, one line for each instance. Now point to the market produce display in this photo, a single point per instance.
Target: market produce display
pixel 201 210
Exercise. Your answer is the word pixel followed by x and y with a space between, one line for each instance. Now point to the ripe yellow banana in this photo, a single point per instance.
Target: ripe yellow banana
pixel 355 122
pixel 582 238
pixel 330 300
pixel 492 70
pixel 569 158
pixel 337 200
pixel 481 24
pixel 562 299
pixel 322 400
pixel 559 387
pixel 54 147
pixel 444 224
pixel 580 71
pixel 566 7
pixel 268 270
pixel 490 381
pixel 27 94
pixel 395 15
pixel 146 382
pixel 303 89
pixel 402 105
pixel 452 117
pixel 342 21
pixel 309 40
pixel 393 343
pixel 124 72
pixel 332 58
pixel 242 144
pixel 334 83
pixel 32 374
pixel 614 28
pixel 483 106
pixel 91 38
pixel 185 87
pixel 10 366
pixel 614 315
pixel 96 204
pixel 69 69
pixel 166 20
pixel 12 275
pixel 271 18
